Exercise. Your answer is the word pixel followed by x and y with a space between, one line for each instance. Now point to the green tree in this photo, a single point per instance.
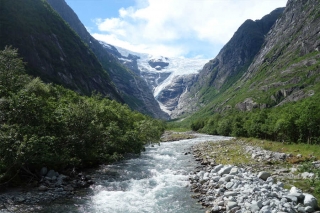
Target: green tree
pixel 12 74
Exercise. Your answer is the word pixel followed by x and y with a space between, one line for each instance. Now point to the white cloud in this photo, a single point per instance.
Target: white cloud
pixel 171 27
pixel 153 49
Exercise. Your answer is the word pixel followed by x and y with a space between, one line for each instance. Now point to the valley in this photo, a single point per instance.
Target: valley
pixel 72 104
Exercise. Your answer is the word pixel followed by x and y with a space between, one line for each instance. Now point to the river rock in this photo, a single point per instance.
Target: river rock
pixel 280 184
pixel 306 175
pixel 295 190
pixel 231 205
pixel 42 188
pixel 270 180
pixel 19 199
pixel 234 171
pixel 299 196
pixel 291 198
pixel 206 176
pixel 316 164
pixel 229 185
pixel 217 168
pixel 43 171
pixel 215 209
pixel 231 193
pixel 68 188
pixel 265 209
pixel 256 206
pixel 215 178
pixel 308 209
pixel 264 175
pixel 51 174
pixel 310 200
pixel 301 209
pixel 225 170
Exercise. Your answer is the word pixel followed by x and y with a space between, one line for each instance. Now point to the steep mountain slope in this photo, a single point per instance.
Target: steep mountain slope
pixel 51 49
pixel 286 69
pixel 231 62
pixel 133 88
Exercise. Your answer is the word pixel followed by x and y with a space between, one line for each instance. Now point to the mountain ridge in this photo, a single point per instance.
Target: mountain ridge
pixel 53 51
pixel 277 96
pixel 229 65
pixel 132 88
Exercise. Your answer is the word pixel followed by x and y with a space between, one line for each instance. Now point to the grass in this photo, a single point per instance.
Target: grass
pixel 306 150
pixel 227 152
pixel 175 136
pixel 178 129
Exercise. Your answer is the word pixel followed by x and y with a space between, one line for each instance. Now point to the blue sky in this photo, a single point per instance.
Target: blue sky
pixel 172 28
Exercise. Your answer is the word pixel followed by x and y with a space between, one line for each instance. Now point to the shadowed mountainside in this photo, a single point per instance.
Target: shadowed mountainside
pixel 51 49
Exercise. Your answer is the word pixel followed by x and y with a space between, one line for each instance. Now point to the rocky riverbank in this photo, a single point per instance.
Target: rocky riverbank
pixel 52 186
pixel 254 184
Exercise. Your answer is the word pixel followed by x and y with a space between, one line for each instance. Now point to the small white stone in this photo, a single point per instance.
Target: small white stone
pixel 234 171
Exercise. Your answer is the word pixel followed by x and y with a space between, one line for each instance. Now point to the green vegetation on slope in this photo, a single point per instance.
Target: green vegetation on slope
pixel 54 52
pixel 46 125
pixel 294 122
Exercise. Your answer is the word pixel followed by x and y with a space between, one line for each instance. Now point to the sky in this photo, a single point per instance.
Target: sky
pixel 171 28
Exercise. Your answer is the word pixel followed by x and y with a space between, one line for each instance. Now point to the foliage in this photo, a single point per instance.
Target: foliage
pixel 46 125
pixel 296 122
pixel 314 182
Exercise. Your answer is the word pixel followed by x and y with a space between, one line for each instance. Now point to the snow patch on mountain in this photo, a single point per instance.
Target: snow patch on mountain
pixel 177 67
pixel 105 45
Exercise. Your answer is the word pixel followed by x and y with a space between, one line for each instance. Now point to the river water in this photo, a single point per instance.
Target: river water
pixel 154 182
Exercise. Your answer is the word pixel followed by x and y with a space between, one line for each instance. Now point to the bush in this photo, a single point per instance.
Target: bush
pixel 294 122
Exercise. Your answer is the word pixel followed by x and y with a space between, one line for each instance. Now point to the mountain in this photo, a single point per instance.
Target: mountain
pixel 133 89
pixel 169 78
pixel 287 68
pixel 230 64
pixel 285 71
pixel 52 50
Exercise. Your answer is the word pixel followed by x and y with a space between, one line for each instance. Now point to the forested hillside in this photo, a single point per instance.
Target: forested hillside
pixel 47 125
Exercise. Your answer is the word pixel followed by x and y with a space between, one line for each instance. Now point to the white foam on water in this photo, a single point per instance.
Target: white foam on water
pixel 156 182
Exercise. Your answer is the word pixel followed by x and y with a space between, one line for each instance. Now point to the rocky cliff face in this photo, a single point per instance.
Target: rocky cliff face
pixel 170 95
pixel 231 62
pixel 132 87
pixel 239 52
pixel 287 67
pixel 51 49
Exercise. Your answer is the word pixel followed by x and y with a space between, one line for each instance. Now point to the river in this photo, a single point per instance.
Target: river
pixel 154 182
